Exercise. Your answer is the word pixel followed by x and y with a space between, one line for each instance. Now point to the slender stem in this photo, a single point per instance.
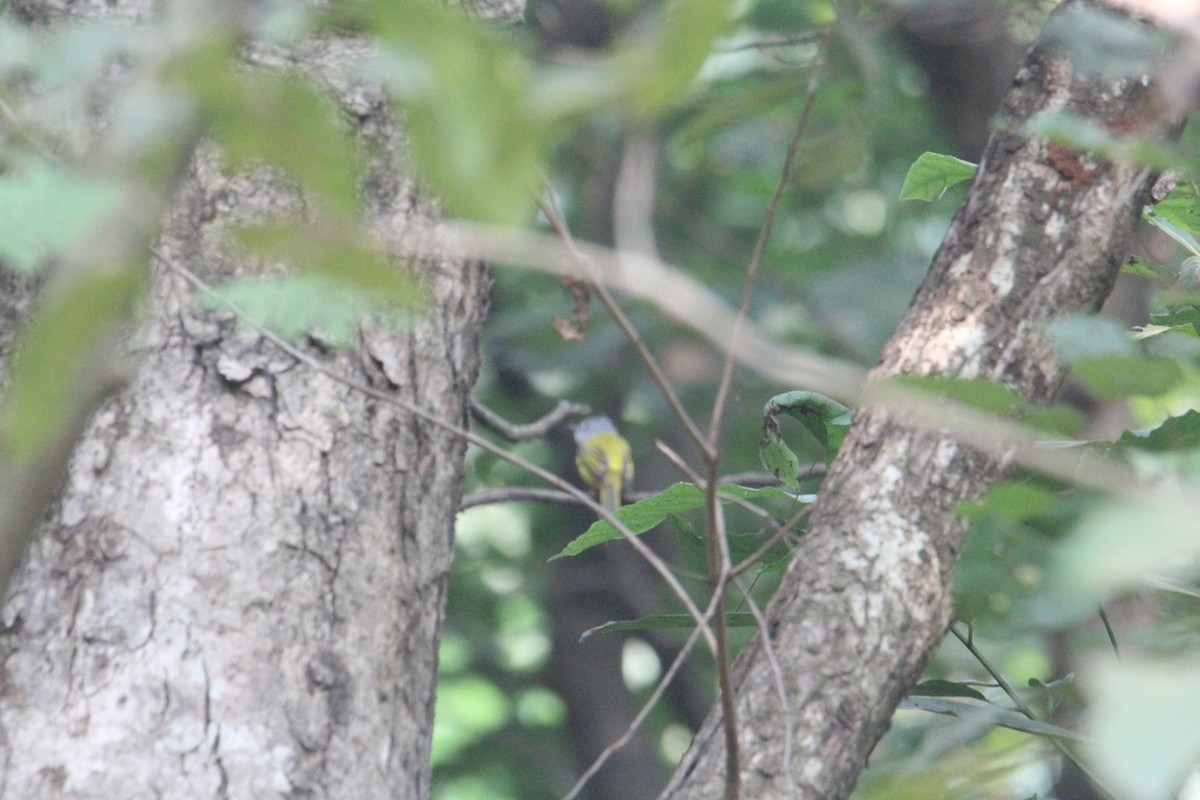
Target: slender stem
pixel 655 561
pixel 1108 628
pixel 764 236
pixel 1024 708
pixel 582 262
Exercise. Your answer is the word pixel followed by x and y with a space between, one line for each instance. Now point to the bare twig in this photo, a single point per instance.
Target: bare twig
pixel 1108 629
pixel 785 704
pixel 764 236
pixel 637 721
pixel 969 643
pixel 312 363
pixel 533 430
pixel 585 265
pixel 514 494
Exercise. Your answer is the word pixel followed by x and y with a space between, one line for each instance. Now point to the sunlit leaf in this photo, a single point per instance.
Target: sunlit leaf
pixel 932 174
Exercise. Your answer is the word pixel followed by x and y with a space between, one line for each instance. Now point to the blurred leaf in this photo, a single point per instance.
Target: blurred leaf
pixel 334 253
pixel 661 63
pixel 47 210
pixel 990 714
pixel 1110 551
pixel 985 395
pixel 1092 141
pixel 1088 336
pixel 1142 724
pixel 293 305
pixel 56 350
pixel 932 174
pixel 1123 376
pixel 476 134
pixel 282 120
pixel 942 688
pixel 1103 43
pixel 1012 501
pixel 467 709
pixel 734 619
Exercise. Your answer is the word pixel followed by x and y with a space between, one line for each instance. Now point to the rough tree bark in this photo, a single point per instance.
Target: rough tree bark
pixel 866 600
pixel 240 591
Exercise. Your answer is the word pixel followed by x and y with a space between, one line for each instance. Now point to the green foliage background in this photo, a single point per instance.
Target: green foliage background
pixel 714 89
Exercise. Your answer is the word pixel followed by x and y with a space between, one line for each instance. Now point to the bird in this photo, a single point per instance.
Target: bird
pixel 603 458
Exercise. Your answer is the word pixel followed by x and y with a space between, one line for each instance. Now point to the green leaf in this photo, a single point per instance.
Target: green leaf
pixel 932 174
pixel 779 460
pixel 1180 235
pixel 1174 435
pixel 940 688
pixel 988 714
pixel 639 517
pixel 333 252
pixel 733 619
pixel 293 305
pixel 1113 549
pixel 56 351
pixel 827 420
pixel 1122 376
pixel 1012 501
pixel 1144 268
pixel 45 211
pixel 985 395
pixel 282 120
pixel 1092 140
pixel 658 65
pixel 1181 207
pixel 476 134
pixel 643 515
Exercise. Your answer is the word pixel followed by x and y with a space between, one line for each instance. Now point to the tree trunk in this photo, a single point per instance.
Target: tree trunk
pixel 866 600
pixel 240 591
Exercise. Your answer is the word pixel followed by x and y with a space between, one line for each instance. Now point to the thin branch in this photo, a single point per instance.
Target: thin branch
pixel 515 494
pixel 637 721
pixel 764 236
pixel 969 643
pixel 785 704
pixel 585 265
pixel 1108 628
pixel 312 363
pixel 776 537
pixel 533 430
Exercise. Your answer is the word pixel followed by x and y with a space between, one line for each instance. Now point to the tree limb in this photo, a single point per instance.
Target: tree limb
pixel 866 600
